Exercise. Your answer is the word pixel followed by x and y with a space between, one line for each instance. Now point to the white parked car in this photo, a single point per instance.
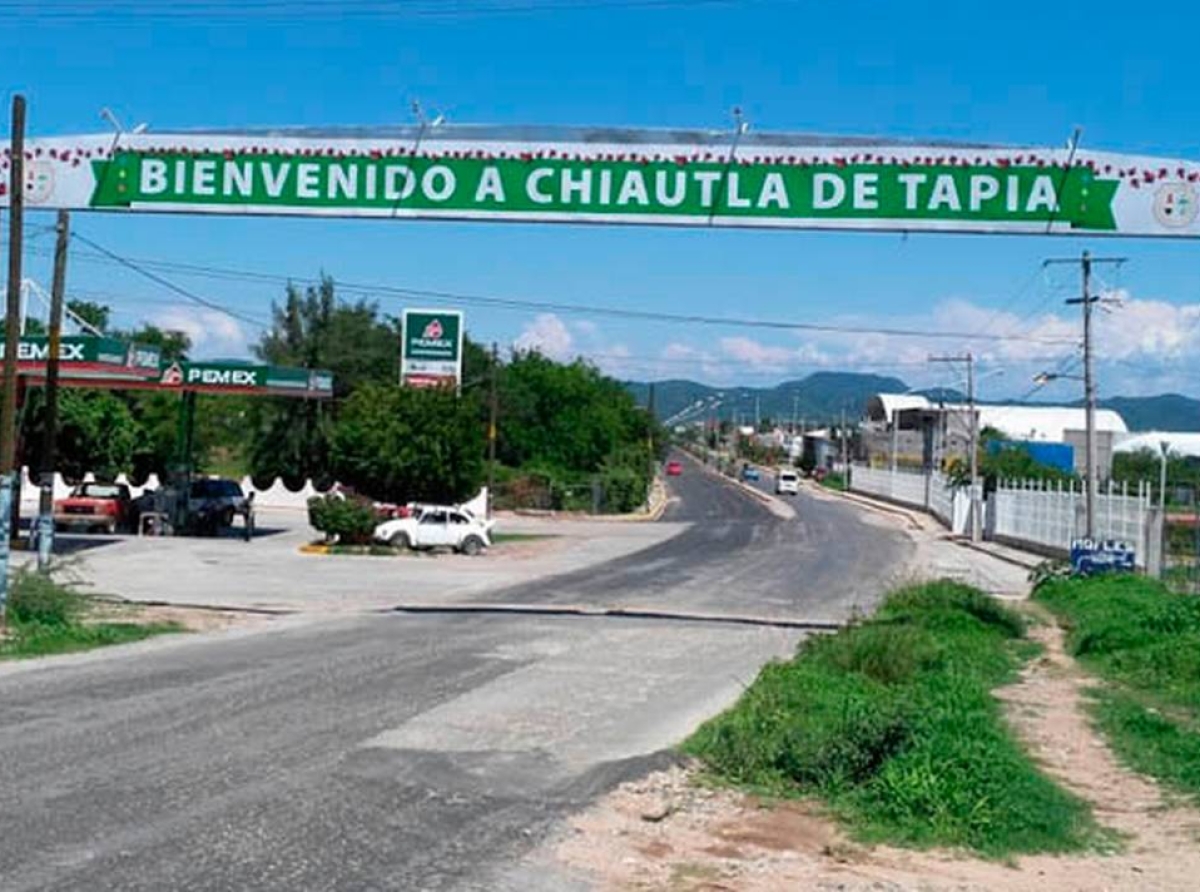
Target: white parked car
pixel 787 483
pixel 437 526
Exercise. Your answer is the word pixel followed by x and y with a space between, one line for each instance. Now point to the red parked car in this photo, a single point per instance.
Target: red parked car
pixel 95 507
pixel 674 468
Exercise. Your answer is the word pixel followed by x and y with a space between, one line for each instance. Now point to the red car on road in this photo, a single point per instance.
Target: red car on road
pixel 674 468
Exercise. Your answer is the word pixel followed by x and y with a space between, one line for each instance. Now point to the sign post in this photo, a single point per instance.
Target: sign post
pixel 431 348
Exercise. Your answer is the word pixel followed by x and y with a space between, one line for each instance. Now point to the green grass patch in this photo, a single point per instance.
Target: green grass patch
pixel 43 641
pixel 500 538
pixel 1144 641
pixel 892 724
pixel 835 482
pixel 46 617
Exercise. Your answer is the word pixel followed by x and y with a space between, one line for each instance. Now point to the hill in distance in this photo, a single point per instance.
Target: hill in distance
pixel 821 397
pixel 816 399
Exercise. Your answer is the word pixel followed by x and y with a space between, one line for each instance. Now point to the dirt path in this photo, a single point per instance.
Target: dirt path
pixel 666 833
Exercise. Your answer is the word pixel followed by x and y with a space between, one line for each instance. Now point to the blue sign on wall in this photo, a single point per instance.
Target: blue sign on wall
pixel 1090 557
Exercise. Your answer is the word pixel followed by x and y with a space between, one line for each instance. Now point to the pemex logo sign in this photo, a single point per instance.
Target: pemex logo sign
pixel 431 347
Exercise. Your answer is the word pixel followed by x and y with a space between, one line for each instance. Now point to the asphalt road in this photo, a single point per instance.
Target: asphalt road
pixel 740 558
pixel 399 752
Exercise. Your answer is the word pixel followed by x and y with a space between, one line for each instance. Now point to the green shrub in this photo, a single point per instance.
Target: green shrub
pixel 1144 640
pixel 346 519
pixel 892 723
pixel 37 599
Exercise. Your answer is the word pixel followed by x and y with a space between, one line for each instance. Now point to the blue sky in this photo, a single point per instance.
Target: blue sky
pixel 1008 73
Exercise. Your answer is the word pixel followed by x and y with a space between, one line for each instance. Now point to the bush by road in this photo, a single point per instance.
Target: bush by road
pixel 893 725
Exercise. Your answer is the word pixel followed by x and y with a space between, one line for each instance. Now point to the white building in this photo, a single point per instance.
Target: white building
pixel 910 429
pixel 1182 444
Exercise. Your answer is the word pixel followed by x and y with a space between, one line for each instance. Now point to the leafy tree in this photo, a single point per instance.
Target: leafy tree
pixel 97 433
pixel 94 314
pixel 403 444
pixel 569 417
pixel 312 329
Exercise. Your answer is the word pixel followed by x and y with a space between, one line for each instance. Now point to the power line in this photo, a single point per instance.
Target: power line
pixel 373 290
pixel 75 10
pixel 168 284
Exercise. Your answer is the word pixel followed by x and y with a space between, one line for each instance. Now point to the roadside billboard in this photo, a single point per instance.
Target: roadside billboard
pixel 431 348
pixel 619 176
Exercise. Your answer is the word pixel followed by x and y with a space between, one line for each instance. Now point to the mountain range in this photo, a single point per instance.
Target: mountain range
pixel 821 397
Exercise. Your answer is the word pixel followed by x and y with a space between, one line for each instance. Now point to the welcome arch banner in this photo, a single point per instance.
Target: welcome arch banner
pixel 616 176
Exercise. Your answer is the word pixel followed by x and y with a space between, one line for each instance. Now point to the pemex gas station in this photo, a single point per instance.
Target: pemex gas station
pixel 98 362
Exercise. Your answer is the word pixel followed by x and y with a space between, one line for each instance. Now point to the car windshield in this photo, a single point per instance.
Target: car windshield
pixel 99 491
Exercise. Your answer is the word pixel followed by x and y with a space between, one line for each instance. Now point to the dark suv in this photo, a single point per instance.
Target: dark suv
pixel 213 503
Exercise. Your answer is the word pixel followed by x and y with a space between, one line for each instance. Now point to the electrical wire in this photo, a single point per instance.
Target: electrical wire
pixel 74 10
pixel 375 290
pixel 168 284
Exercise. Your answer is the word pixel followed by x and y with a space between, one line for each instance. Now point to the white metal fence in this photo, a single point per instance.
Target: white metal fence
pixel 905 487
pixel 1053 514
pixel 933 494
pixel 1047 516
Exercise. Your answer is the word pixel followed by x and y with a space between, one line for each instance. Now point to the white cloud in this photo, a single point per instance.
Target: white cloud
pixel 212 333
pixel 548 335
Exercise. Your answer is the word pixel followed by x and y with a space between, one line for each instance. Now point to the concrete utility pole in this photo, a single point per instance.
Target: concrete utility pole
pixel 972 438
pixel 845 462
pixel 45 520
pixel 12 335
pixel 1162 479
pixel 493 412
pixel 1086 300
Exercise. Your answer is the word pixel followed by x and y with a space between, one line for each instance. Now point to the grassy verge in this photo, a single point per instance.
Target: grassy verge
pixel 834 481
pixel 893 725
pixel 1144 641
pixel 501 538
pixel 46 618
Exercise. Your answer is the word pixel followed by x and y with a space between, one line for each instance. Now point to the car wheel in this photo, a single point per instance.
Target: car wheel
pixel 400 540
pixel 471 546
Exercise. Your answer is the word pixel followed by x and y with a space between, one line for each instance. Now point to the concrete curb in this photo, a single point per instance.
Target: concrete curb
pixel 911 517
pixel 915 518
pixel 1033 562
pixel 635 613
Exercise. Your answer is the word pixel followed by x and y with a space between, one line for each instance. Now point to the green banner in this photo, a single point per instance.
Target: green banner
pixel 247 377
pixel 674 190
pixel 89 350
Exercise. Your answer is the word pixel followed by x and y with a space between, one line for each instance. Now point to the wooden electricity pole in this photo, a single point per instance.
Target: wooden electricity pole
pixel 45 518
pixel 12 335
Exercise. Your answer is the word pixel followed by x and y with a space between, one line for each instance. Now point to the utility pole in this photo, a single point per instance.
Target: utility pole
pixel 45 520
pixel 1086 300
pixel 493 412
pixel 973 438
pixel 845 463
pixel 12 317
pixel 795 405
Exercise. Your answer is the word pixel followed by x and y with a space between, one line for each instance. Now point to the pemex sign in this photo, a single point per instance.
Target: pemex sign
pixel 431 348
pixel 620 176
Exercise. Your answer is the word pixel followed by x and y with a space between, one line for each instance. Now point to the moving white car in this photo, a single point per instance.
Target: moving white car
pixel 437 526
pixel 787 483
